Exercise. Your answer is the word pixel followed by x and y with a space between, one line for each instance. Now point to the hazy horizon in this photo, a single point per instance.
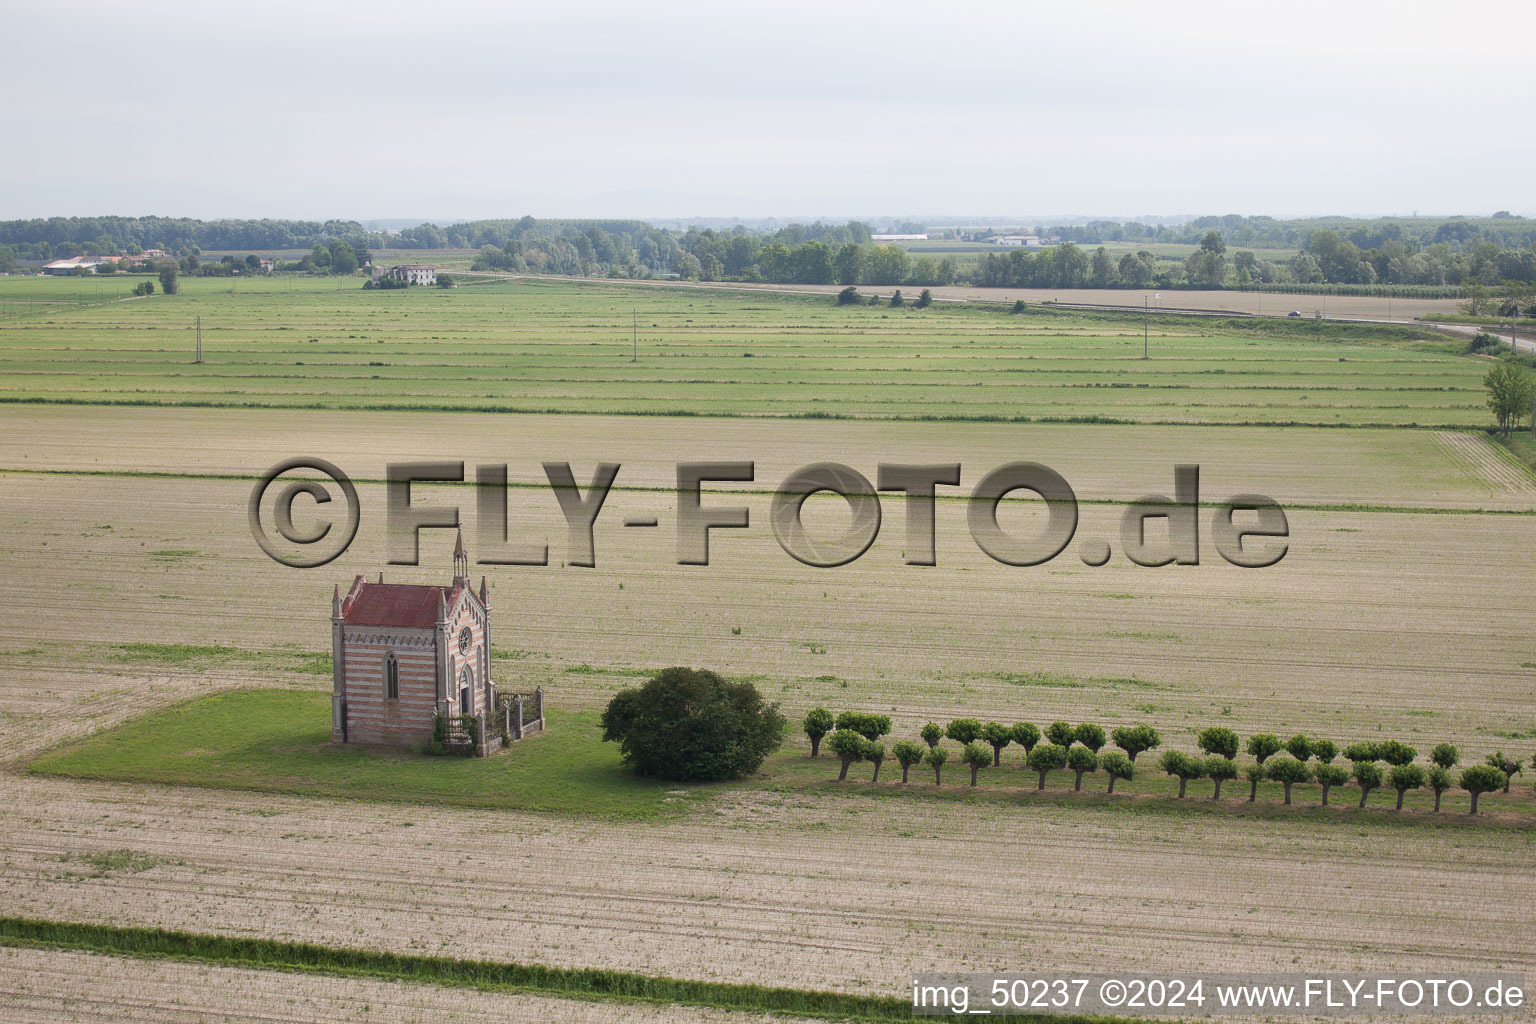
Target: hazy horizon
pixel 796 112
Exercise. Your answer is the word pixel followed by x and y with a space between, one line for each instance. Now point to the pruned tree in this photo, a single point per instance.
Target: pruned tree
pixel 1395 753
pixel 1287 771
pixel 1218 740
pixel 931 734
pixel 1219 769
pixel 1439 779
pixel 977 756
pixel 1090 735
pixel 1360 753
pixel 998 736
pixel 1081 761
pixel 1026 735
pixel 1047 757
pixel 1299 747
pixel 907 754
pixel 1117 766
pixel 1255 774
pixel 1325 750
pixel 936 757
pixel 874 753
pixel 849 747
pixel 1445 755
pixel 1061 733
pixel 1329 775
pixel 1185 767
pixel 1133 739
pixel 1404 777
pixel 1509 766
pixel 1263 745
pixel 1479 779
pixel 964 730
pixel 871 727
pixel 1368 776
pixel 818 722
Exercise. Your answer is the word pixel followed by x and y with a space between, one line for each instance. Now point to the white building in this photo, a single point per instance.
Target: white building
pixel 898 238
pixel 1015 241
pixel 63 268
pixel 408 273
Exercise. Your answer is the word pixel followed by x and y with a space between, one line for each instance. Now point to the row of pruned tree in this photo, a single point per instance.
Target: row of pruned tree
pixel 856 737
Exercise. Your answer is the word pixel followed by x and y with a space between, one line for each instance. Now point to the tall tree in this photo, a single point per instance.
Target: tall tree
pixel 1510 388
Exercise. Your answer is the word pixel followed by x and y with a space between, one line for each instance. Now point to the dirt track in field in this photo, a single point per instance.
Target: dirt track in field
pixel 57 987
pixel 762 890
pixel 1367 307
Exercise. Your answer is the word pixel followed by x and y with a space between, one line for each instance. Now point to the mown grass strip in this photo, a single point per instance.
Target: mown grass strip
pixel 1289 506
pixel 428 405
pixel 491 976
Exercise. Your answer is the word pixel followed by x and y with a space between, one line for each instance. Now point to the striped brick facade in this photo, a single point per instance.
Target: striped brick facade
pixel 438 640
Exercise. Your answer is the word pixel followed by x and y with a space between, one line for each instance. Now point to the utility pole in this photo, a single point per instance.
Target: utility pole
pixel 199 340
pixel 635 335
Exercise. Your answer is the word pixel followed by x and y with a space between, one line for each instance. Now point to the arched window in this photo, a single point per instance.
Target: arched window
pixel 391 677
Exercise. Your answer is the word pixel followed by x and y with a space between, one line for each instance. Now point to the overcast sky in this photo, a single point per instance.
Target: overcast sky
pixel 469 109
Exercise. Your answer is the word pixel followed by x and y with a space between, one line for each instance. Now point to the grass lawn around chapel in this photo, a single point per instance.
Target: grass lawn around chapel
pixel 278 741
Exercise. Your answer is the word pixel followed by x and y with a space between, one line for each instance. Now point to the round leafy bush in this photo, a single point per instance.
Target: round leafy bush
pixel 691 725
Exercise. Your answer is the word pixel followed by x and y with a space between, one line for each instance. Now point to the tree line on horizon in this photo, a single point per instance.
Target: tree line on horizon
pixel 1454 254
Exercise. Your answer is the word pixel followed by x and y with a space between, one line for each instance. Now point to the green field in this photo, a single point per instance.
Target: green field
pixel 530 346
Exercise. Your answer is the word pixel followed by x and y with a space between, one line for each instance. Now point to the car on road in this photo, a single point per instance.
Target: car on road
pixel 1294 314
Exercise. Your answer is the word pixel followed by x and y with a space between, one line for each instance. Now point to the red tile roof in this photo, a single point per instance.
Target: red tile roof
pixel 401 605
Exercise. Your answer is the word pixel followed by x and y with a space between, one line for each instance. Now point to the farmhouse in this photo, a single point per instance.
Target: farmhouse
pixel 403 655
pixel 407 273
pixel 63 268
pixel 1014 241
